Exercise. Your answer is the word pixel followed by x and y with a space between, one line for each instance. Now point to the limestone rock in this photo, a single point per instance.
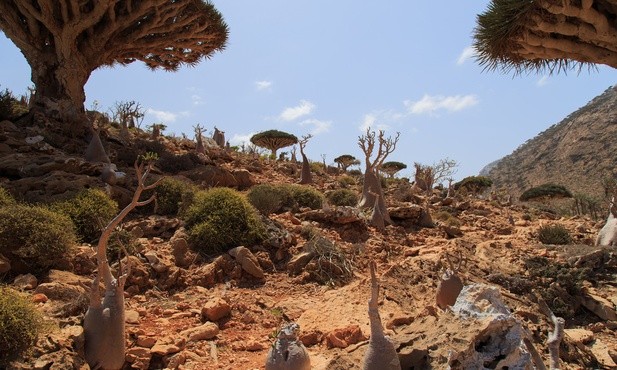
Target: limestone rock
pixel 344 337
pixel 181 252
pixel 244 178
pixel 216 309
pixel 206 331
pixel 406 211
pixel 25 281
pixel 167 346
pixel 248 261
pixel 600 306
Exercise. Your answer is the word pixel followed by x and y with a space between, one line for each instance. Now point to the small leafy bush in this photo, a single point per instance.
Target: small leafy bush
pixel 546 191
pixel 118 240
pixel 305 196
pixel 543 272
pixel 20 325
pixel 171 194
pixel 267 198
pixel 346 181
pixel 90 210
pixel 35 235
pixel 5 198
pixel 10 107
pixel 343 197
pixel 554 234
pixel 220 219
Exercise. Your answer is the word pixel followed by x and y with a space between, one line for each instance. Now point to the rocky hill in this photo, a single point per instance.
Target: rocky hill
pixel 188 310
pixel 577 152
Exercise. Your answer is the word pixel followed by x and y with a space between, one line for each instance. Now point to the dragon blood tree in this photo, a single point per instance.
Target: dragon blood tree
pixel 274 140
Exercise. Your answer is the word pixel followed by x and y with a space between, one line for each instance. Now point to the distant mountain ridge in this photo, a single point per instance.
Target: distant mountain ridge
pixel 577 152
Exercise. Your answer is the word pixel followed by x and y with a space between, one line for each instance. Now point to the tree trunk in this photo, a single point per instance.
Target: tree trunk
pixel 60 91
pixel 305 175
pixel 372 184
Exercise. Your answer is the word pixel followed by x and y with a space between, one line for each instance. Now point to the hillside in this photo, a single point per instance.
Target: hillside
pixel 578 152
pixel 188 310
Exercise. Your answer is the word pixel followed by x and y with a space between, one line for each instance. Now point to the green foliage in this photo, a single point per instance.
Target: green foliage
pixel 5 198
pixel 37 236
pixel 120 241
pixel 346 181
pixel 10 107
pixel 275 198
pixel 305 196
pixel 20 325
pixel 554 234
pixel 474 184
pixel 343 197
pixel 171 193
pixel 274 140
pixel 551 278
pixel 267 198
pixel 317 167
pixel 393 167
pixel 90 210
pixel 220 219
pixel 546 191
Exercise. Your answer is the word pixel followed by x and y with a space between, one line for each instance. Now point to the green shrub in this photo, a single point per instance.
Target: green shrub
pixel 220 219
pixel 317 168
pixel 546 191
pixel 170 194
pixel 343 197
pixel 5 198
pixel 90 210
pixel 10 107
pixel 474 184
pixel 37 236
pixel 267 198
pixel 554 234
pixel 543 272
pixel 346 181
pixel 20 325
pixel 305 196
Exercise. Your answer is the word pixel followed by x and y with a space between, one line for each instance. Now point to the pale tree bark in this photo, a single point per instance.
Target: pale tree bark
pixel 372 184
pixel 65 40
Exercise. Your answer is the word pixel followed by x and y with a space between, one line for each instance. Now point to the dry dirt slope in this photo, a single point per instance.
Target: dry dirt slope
pixel 577 152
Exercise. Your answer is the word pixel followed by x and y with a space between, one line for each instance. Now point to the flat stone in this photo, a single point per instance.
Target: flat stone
pixel 582 336
pixel 131 317
pixel 206 331
pixel 216 309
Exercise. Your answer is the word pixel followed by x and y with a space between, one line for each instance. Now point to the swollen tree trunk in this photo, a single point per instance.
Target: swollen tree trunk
pixel 60 91
pixel 305 175
pixel 371 190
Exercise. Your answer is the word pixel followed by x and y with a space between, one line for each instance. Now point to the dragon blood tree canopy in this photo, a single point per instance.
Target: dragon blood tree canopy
pixel 274 140
pixel 553 35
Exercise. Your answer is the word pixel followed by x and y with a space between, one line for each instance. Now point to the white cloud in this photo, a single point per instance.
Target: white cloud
pixel 163 116
pixel 304 108
pixel 370 121
pixel 542 81
pixel 319 126
pixel 263 85
pixel 241 139
pixel 431 104
pixel 467 53
pixel 197 100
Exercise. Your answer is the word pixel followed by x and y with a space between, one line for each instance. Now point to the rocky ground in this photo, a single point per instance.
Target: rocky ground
pixel 186 311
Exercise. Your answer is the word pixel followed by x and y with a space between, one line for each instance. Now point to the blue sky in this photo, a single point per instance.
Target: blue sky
pixel 332 68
